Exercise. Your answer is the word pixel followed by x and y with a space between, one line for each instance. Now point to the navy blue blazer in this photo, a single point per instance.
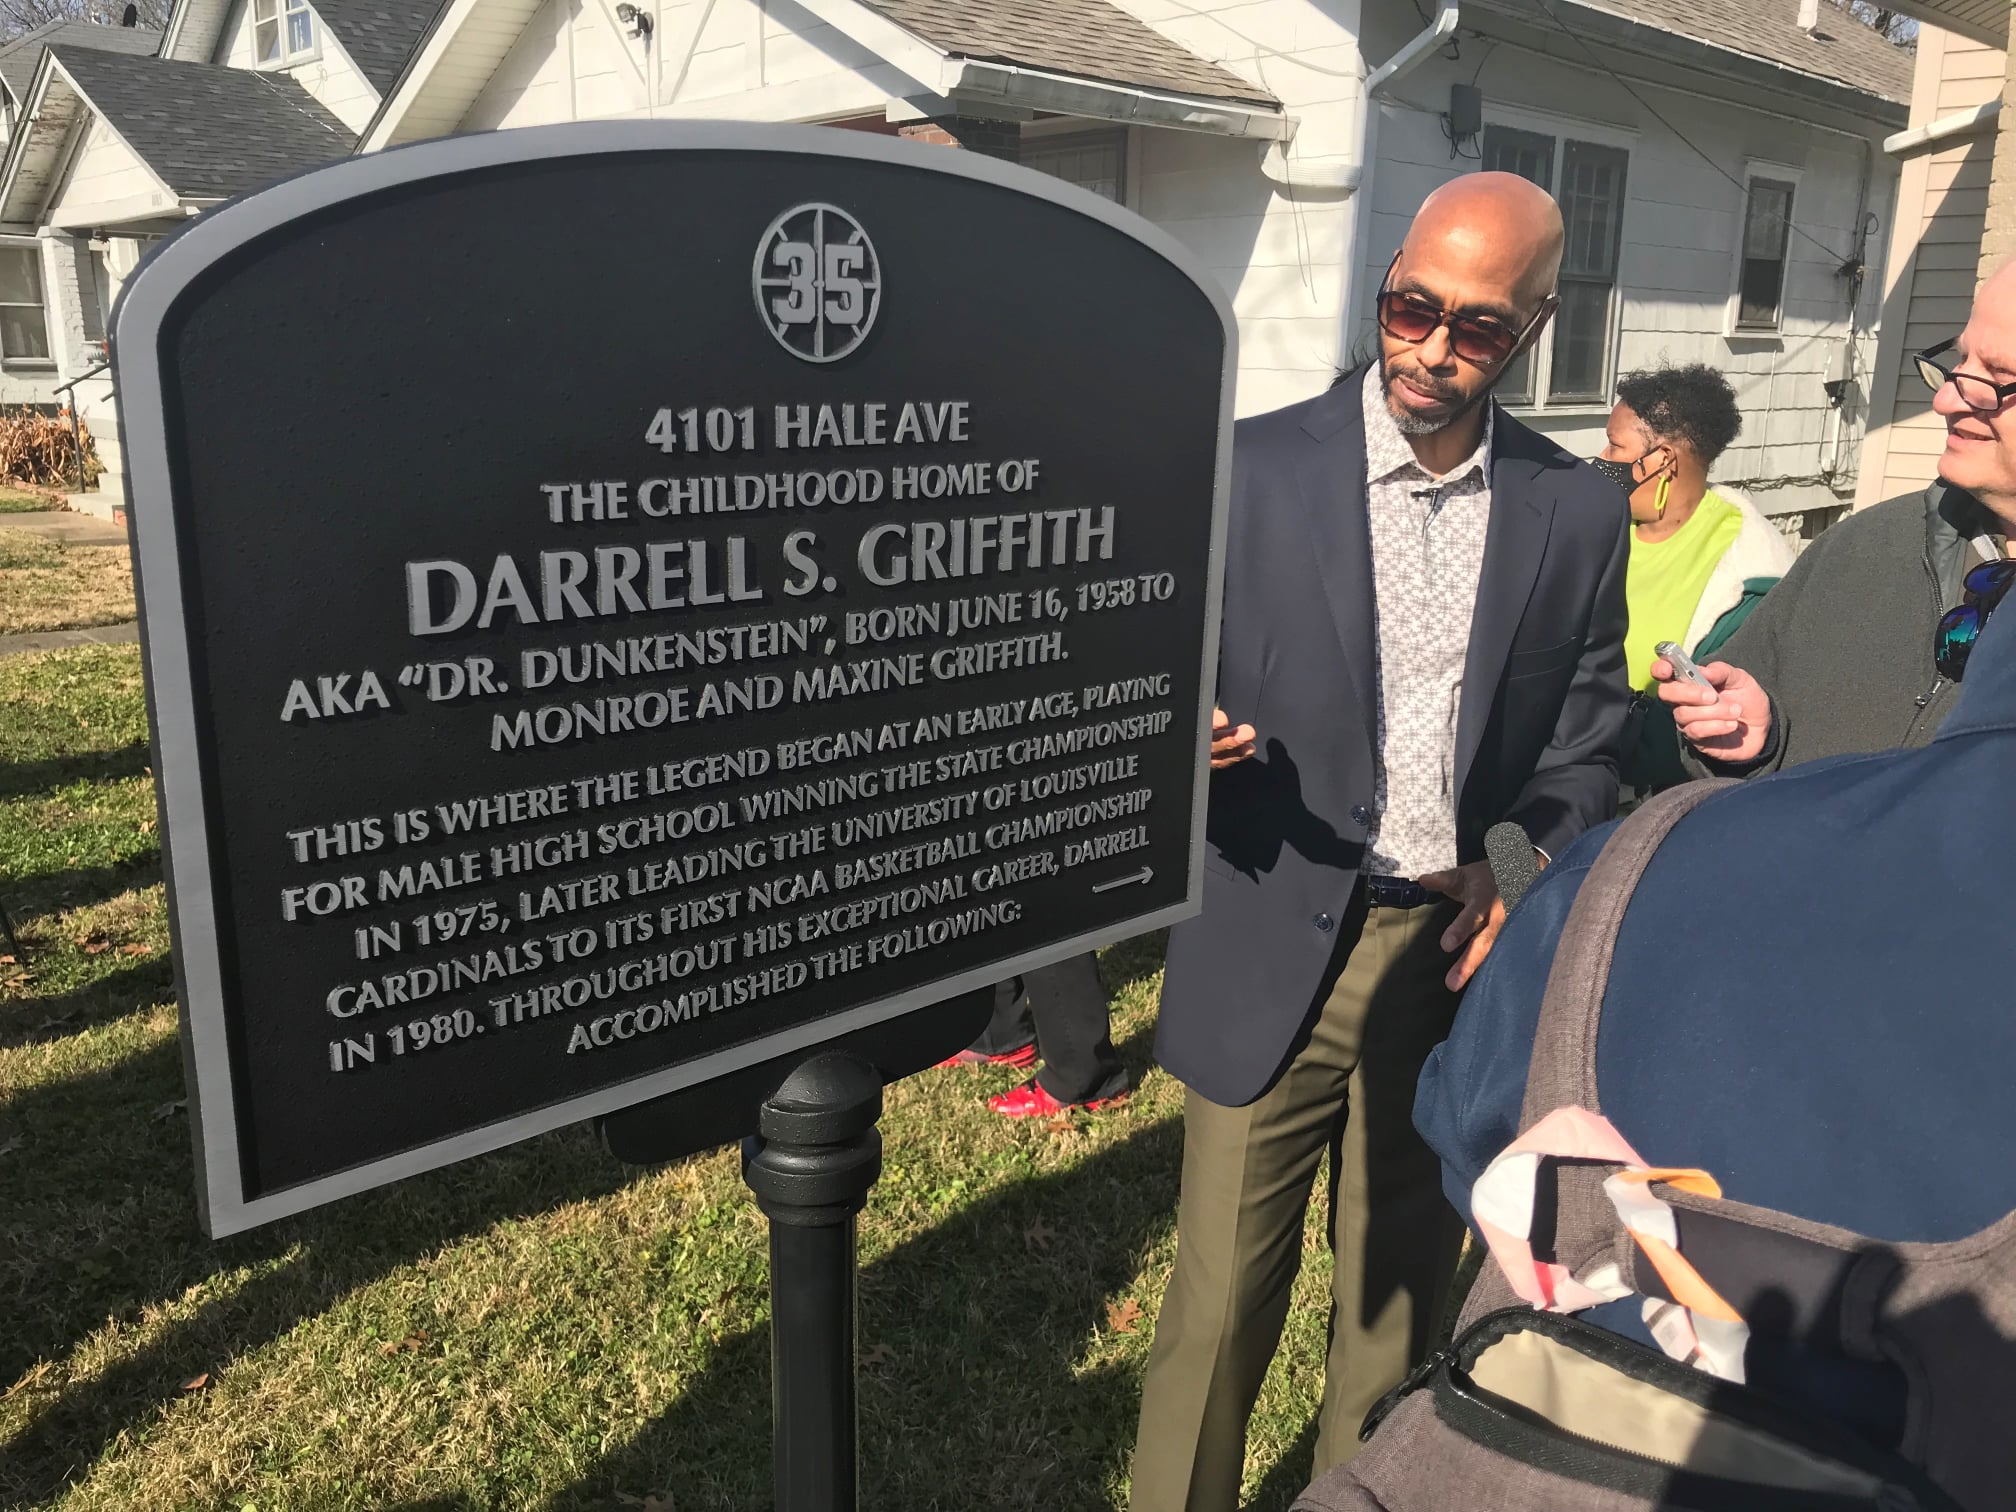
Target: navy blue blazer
pixel 1537 730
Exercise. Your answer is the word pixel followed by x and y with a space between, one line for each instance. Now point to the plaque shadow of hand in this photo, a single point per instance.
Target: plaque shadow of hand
pixel 1258 810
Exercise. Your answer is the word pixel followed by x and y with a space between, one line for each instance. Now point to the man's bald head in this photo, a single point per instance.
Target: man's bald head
pixel 1485 245
pixel 1503 229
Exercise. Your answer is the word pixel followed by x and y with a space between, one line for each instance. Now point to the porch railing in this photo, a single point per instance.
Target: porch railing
pixel 76 428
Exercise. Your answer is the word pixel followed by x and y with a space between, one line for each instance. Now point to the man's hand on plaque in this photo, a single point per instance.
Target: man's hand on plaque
pixel 1230 743
pixel 1476 928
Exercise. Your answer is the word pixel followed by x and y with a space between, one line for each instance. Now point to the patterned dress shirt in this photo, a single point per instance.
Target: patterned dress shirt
pixel 1427 556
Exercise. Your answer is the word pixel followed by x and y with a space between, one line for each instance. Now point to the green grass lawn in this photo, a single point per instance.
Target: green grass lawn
pixel 15 499
pixel 540 1328
pixel 53 585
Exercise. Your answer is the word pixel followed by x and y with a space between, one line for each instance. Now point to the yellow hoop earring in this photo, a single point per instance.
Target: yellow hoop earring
pixel 1659 499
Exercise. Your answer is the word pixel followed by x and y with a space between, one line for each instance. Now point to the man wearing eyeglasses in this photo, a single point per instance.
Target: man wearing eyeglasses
pixel 1863 644
pixel 1422 637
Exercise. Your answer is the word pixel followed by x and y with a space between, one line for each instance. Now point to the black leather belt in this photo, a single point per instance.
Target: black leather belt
pixel 1391 892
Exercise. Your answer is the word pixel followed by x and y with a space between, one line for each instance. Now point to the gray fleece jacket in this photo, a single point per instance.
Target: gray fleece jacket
pixel 1844 643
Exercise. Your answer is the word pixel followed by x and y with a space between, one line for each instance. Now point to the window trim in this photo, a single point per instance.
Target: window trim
pixel 281 9
pixel 1770 171
pixel 1562 129
pixel 33 247
pixel 1075 136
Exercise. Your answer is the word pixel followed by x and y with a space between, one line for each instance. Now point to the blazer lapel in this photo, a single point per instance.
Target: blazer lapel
pixel 1522 514
pixel 1331 481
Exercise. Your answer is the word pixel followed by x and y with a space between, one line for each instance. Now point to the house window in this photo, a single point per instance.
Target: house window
pixel 1767 234
pixel 1573 365
pixel 282 31
pixel 24 330
pixel 1096 161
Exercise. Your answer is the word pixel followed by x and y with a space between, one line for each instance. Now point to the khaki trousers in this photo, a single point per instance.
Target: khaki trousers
pixel 1247 1177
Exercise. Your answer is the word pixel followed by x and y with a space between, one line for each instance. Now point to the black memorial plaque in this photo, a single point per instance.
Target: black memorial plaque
pixel 624 602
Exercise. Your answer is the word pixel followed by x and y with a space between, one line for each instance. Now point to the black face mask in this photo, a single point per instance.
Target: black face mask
pixel 1623 474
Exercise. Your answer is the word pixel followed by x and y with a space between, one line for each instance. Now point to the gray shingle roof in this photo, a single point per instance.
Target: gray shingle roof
pixel 379 34
pixel 208 130
pixel 1087 39
pixel 1840 49
pixel 19 58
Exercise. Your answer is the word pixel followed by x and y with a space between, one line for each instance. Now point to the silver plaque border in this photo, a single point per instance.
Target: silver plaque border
pixel 148 298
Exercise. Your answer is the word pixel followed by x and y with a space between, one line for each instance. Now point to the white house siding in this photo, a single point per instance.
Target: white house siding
pixel 1283 254
pixel 1682 222
pixel 709 58
pixel 330 76
pixel 1935 247
pixel 104 176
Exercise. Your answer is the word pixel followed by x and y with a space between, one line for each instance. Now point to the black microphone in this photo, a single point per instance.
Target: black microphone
pixel 1514 867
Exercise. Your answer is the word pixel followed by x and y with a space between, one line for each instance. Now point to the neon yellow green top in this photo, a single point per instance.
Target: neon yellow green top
pixel 1666 579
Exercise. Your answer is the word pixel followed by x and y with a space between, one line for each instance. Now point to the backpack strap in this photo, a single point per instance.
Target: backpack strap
pixel 1563 1071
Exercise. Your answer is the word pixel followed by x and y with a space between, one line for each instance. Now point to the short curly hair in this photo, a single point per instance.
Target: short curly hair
pixel 1694 404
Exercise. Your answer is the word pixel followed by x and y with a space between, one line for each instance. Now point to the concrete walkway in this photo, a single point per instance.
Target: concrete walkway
pixel 66 525
pixel 55 640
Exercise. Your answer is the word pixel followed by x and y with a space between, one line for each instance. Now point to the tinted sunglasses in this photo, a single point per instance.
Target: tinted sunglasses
pixel 1953 642
pixel 1482 339
pixel 1984 396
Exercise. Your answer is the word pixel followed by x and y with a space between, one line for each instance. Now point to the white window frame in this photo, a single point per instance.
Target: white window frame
pixel 1777 173
pixel 1053 136
pixel 1597 134
pixel 33 248
pixel 282 10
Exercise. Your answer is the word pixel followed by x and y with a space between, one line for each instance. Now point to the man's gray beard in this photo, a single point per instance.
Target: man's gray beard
pixel 1411 424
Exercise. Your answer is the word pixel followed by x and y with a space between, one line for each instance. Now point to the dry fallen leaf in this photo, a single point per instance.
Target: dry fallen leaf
pixel 411 1344
pixel 97 947
pixel 28 1382
pixel 136 949
pixel 168 1110
pixel 6 960
pixel 146 826
pixel 1061 1124
pixel 1123 1315
pixel 197 1382
pixel 1038 1235
pixel 878 1354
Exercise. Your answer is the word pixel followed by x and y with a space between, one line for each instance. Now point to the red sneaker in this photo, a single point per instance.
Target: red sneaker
pixel 1030 1101
pixel 1020 1060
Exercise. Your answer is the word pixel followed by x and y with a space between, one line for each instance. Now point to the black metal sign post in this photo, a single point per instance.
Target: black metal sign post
pixel 606 662
pixel 820 1155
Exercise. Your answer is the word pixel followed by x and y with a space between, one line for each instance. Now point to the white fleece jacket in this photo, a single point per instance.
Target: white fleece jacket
pixel 1761 550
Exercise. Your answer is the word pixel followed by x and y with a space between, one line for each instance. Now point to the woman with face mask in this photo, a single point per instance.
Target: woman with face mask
pixel 1701 559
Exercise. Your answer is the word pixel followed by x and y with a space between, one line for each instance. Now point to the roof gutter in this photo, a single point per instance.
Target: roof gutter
pixel 1416 52
pixel 1961 123
pixel 1007 84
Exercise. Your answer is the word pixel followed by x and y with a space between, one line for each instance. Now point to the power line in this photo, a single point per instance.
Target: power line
pixel 1686 141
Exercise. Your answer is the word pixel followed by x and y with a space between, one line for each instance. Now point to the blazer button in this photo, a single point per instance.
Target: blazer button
pixel 1362 815
pixel 1325 923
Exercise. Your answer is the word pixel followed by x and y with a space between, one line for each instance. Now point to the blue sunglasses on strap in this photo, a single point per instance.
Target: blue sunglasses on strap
pixel 1953 642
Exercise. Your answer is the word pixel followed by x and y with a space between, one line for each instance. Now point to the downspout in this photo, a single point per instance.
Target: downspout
pixel 1960 123
pixel 1832 467
pixel 1377 84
